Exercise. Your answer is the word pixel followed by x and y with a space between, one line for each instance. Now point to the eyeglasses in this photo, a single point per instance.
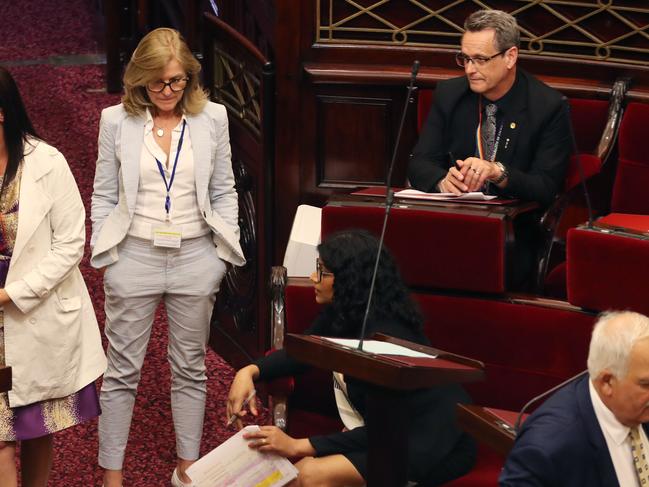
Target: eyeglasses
pixel 175 84
pixel 319 272
pixel 462 59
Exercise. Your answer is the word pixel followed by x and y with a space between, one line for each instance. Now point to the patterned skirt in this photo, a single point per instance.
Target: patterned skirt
pixel 45 417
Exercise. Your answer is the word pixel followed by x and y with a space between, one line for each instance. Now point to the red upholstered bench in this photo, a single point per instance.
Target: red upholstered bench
pixel 608 266
pixel 527 346
pixel 632 175
pixel 432 247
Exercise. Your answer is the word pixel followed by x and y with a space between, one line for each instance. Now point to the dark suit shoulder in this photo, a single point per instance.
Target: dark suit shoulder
pixel 553 440
pixel 541 97
pixel 458 83
pixel 557 419
pixel 449 91
pixel 562 425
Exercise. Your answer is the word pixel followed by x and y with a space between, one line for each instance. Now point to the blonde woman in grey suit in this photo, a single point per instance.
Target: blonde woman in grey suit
pixel 164 225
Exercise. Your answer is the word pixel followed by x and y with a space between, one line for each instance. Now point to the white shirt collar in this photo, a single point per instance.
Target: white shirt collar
pixel 607 420
pixel 148 124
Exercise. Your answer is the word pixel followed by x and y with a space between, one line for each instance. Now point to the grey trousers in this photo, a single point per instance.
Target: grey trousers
pixel 187 279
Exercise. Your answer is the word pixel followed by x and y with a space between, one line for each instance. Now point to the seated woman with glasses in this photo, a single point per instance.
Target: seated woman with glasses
pixel 164 226
pixel 438 450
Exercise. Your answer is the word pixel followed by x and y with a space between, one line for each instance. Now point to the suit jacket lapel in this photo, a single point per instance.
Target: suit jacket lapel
pixel 201 148
pixel 595 436
pixel 34 203
pixel 512 122
pixel 132 138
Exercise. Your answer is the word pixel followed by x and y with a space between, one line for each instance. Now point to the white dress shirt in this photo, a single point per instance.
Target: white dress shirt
pixel 617 440
pixel 150 202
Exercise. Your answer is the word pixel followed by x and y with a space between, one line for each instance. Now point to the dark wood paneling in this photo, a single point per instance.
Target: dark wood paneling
pixel 344 158
pixel 238 76
pixel 352 132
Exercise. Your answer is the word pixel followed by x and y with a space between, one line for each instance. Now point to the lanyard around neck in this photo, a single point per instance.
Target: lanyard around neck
pixel 478 137
pixel 173 171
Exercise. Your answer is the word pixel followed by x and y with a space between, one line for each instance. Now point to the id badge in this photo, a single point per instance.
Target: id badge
pixel 168 236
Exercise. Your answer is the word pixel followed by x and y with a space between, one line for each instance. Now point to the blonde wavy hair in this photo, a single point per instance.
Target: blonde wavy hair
pixel 152 54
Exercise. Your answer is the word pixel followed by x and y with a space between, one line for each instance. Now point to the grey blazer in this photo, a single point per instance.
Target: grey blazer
pixel 118 172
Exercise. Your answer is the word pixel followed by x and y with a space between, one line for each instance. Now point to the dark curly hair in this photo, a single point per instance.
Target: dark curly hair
pixel 351 256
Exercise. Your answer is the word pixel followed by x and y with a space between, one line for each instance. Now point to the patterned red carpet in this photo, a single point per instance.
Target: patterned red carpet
pixel 64 103
pixel 33 29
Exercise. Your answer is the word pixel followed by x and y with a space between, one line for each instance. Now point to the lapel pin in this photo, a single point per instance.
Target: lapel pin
pixel 512 125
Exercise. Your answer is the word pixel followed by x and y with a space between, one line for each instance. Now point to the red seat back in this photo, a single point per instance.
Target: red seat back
pixel 607 271
pixel 632 177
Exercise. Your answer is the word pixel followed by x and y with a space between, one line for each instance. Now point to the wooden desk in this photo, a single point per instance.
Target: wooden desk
pixel 495 428
pixel 386 414
pixel 5 379
pixel 437 244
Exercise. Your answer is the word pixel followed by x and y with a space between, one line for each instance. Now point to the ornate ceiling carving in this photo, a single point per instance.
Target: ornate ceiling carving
pixel 604 30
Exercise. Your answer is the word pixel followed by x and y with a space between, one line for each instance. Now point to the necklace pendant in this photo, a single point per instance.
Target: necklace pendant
pixel 160 132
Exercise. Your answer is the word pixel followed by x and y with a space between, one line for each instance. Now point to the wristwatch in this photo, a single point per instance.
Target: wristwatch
pixel 504 173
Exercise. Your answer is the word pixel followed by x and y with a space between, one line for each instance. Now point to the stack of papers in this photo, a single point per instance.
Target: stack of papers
pixel 234 464
pixel 420 195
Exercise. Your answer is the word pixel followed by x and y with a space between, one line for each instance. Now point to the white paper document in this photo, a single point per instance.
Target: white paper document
pixel 234 464
pixel 380 348
pixel 420 195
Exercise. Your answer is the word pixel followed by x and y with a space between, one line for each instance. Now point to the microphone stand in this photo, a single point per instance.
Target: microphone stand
pixel 389 198
pixel 580 167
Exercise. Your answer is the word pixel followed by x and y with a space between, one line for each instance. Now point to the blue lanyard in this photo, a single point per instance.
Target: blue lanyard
pixel 173 171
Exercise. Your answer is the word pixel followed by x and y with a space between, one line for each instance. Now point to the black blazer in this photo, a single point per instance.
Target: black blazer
pixel 561 444
pixel 534 145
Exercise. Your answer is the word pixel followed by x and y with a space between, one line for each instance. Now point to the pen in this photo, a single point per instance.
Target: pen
pixel 234 417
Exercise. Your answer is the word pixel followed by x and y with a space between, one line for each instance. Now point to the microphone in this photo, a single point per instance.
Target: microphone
pixel 517 425
pixel 580 166
pixel 389 198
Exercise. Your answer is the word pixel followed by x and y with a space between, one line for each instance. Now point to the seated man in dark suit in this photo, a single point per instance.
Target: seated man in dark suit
pixel 497 125
pixel 497 129
pixel 594 430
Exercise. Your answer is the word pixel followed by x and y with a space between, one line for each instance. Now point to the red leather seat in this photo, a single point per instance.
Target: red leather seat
pixel 608 269
pixel 632 176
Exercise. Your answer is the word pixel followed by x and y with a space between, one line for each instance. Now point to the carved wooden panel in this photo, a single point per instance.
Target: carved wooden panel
pixel 597 30
pixel 239 289
pixel 237 87
pixel 238 76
